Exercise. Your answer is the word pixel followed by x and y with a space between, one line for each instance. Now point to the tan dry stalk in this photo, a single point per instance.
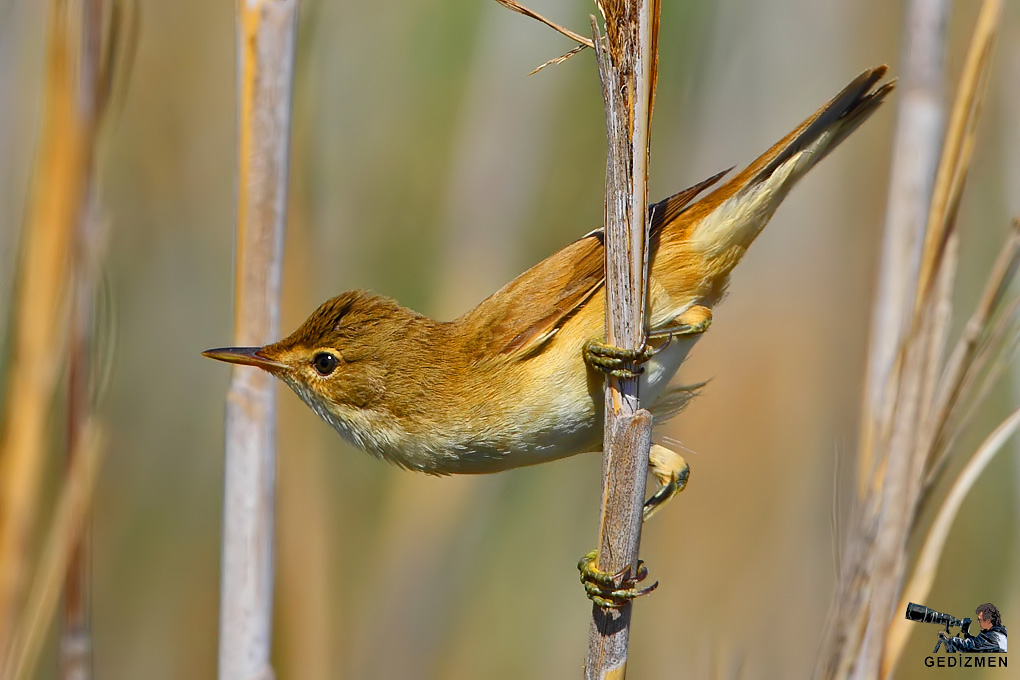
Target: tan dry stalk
pixel 912 413
pixel 69 519
pixel 95 82
pixel 966 354
pixel 958 146
pixel 75 629
pixel 916 142
pixel 265 58
pixel 626 61
pixel 40 323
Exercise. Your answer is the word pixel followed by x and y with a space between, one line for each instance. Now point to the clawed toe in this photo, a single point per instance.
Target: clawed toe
pixel 616 361
pixel 612 590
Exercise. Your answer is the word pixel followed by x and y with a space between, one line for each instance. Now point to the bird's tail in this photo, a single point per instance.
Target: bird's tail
pixel 734 214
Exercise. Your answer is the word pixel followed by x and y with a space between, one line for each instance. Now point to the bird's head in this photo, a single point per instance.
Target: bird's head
pixel 338 360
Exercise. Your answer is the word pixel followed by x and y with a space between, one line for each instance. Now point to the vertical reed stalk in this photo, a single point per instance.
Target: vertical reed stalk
pixel 59 187
pixel 266 33
pixel 920 121
pixel 76 634
pixel 626 57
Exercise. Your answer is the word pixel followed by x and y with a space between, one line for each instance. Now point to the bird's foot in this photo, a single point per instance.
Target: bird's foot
pixel 616 361
pixel 626 363
pixel 672 471
pixel 610 590
pixel 615 590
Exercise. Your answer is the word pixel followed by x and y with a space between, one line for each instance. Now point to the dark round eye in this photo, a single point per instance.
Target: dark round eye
pixel 325 363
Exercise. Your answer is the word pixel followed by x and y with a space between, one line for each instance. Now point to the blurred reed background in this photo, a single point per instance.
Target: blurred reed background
pixel 427 167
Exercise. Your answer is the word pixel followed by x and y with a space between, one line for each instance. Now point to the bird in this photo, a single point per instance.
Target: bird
pixel 518 380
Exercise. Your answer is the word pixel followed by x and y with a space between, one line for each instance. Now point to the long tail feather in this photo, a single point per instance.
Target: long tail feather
pixel 734 214
pixel 840 116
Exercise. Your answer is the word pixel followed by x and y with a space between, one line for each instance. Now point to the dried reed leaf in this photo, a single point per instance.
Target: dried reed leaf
pixel 990 363
pixel 654 56
pixel 958 146
pixel 559 60
pixel 941 311
pixel 967 355
pixel 576 37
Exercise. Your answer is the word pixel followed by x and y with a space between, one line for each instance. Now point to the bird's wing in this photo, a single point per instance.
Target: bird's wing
pixel 529 310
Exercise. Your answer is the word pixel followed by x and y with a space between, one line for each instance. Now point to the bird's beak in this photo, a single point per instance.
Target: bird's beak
pixel 246 356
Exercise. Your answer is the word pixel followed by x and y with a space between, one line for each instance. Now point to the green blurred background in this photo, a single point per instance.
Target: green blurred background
pixel 427 167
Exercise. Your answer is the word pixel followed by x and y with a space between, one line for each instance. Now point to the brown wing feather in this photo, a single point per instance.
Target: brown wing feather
pixel 529 310
pixel 526 312
pixel 668 209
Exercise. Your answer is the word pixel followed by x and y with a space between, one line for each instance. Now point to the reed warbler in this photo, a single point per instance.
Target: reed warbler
pixel 518 380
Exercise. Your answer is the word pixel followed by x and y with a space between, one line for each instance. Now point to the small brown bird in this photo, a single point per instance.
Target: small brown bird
pixel 514 381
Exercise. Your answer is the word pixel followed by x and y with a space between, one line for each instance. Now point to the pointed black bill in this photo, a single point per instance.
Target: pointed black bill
pixel 246 356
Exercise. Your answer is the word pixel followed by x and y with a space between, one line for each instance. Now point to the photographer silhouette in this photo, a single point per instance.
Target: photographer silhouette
pixel 991 639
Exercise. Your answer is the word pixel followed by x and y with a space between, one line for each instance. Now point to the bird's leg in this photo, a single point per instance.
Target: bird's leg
pixel 694 321
pixel 616 361
pixel 615 590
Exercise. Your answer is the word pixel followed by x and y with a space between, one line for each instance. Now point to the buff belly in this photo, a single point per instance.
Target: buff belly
pixel 568 425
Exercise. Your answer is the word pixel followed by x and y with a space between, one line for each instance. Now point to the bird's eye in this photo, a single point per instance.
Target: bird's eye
pixel 324 363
